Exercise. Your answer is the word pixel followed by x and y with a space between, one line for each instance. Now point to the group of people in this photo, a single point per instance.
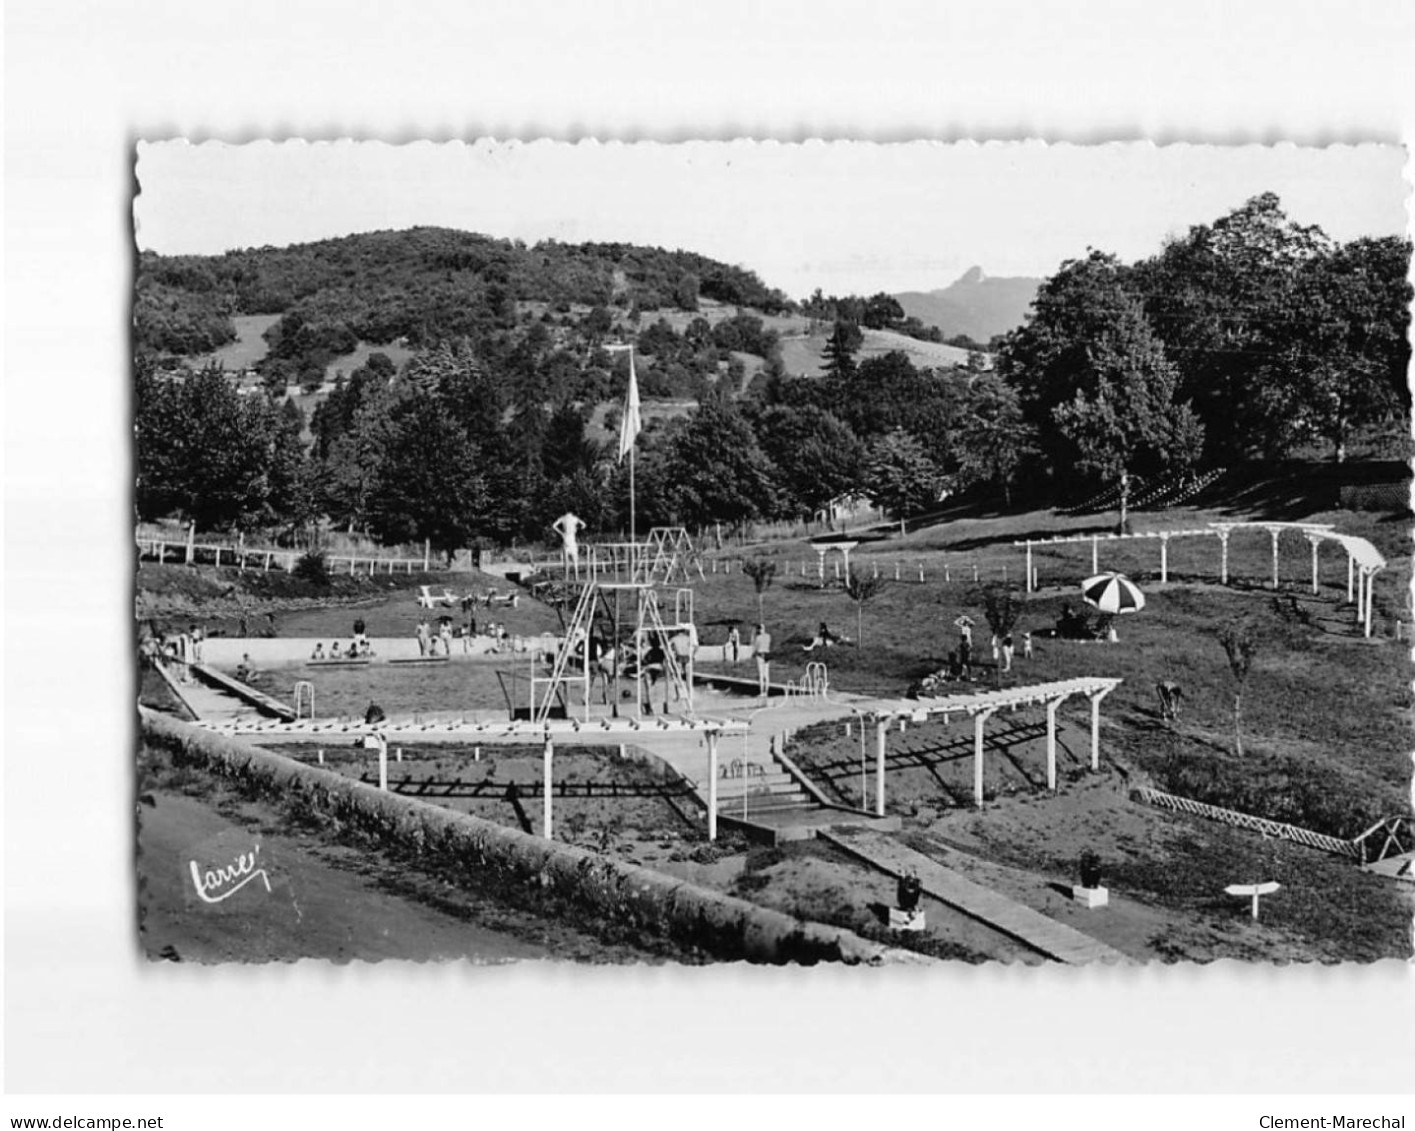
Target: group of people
pixel 357 650
pixel 177 650
pixel 359 647
pixel 432 643
pixel 1004 650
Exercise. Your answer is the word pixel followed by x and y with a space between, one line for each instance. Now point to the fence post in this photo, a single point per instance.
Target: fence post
pixel 427 554
pixel 191 542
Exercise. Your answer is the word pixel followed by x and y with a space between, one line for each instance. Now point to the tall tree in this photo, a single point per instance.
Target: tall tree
pixel 899 477
pixel 428 486
pixel 1094 380
pixel 1344 361
pixel 816 457
pixel 861 590
pixel 203 452
pixel 840 349
pixel 1224 300
pixel 1240 645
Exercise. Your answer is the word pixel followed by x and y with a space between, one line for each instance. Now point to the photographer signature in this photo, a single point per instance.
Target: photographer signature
pixel 215 884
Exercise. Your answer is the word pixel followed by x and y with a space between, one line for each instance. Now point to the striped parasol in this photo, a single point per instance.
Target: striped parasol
pixel 1112 593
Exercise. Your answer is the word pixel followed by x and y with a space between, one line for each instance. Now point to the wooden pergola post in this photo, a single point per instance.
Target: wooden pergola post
pixel 979 721
pixel 881 729
pixel 382 744
pixel 712 784
pixel 548 793
pixel 1096 698
pixel 1370 594
pixel 1350 578
pixel 1052 705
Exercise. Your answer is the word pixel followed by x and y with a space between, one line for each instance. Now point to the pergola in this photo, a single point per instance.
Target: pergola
pixel 603 732
pixel 980 707
pixel 1363 560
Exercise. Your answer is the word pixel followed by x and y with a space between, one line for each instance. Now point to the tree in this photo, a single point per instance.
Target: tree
pixel 1240 645
pixel 205 453
pixel 840 349
pixel 427 486
pixel 713 469
pixel 861 589
pixel 1225 296
pixel 761 571
pixel 993 440
pixel 899 478
pixel 815 456
pixel 1095 382
pixel 1344 362
pixel 882 311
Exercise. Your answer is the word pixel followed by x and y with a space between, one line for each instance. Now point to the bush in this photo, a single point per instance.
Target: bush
pixel 314 568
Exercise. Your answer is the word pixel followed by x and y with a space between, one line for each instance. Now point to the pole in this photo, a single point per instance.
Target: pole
pixel 712 784
pixel 978 720
pixel 1051 743
pixel 1095 732
pixel 1029 567
pixel 549 765
pixel 1314 567
pixel 633 515
pixel 882 726
pixel 1370 594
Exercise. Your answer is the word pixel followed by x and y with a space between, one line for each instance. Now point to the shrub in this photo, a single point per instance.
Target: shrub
pixel 314 568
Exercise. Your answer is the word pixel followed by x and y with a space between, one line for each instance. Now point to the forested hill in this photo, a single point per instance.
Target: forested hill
pixel 423 286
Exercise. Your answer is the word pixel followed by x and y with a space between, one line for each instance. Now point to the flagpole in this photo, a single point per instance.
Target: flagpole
pixel 633 524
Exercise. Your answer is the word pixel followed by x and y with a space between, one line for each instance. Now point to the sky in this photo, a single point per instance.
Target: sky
pixel 848 217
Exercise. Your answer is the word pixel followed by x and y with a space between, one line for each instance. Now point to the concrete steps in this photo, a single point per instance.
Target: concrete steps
pixel 1394 867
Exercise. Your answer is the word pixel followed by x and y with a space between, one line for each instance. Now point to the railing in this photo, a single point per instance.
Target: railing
pixel 1321 841
pixel 162 546
pixel 1394 828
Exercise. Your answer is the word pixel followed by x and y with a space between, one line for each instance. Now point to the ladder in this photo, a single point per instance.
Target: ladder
pixel 651 621
pixel 577 635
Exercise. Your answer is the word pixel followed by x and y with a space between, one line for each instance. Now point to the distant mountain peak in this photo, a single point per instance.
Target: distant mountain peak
pixel 976 304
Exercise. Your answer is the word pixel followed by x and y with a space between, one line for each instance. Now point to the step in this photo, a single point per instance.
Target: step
pixel 1394 867
pixel 781 805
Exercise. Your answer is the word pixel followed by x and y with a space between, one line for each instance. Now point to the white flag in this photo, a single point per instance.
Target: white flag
pixel 631 425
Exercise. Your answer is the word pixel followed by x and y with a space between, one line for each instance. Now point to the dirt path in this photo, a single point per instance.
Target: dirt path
pixel 324 901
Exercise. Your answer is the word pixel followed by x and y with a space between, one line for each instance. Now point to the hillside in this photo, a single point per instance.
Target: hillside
pixel 328 304
pixel 803 355
pixel 976 305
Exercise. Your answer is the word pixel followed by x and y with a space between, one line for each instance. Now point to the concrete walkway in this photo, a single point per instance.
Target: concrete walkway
pixel 1044 935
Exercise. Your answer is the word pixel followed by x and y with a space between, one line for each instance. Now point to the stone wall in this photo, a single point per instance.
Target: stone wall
pixel 563 880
